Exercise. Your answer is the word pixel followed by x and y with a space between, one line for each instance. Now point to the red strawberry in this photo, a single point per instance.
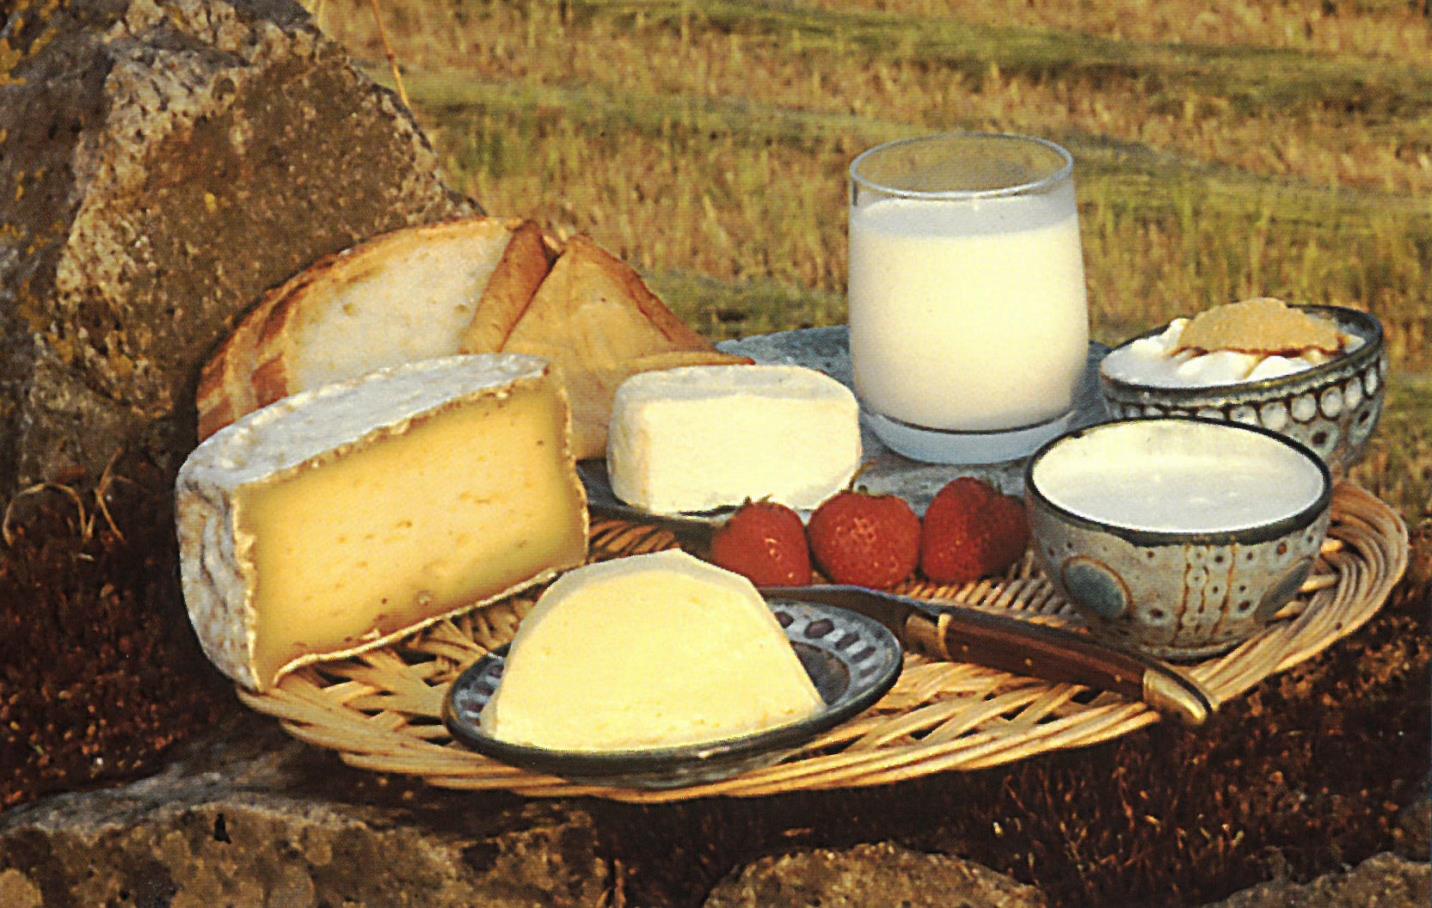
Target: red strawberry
pixel 765 542
pixel 868 540
pixel 971 531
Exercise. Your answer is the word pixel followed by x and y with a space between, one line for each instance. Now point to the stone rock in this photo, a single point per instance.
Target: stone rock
pixel 880 874
pixel 256 818
pixel 1382 881
pixel 162 163
pixel 1414 827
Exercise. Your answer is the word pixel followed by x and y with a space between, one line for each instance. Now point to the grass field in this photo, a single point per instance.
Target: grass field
pixel 1279 149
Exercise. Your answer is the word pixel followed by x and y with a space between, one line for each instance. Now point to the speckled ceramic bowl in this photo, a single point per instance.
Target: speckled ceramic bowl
pixel 1332 408
pixel 1178 537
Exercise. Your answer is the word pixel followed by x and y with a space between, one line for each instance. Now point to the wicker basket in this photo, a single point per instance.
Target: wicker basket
pixel 381 710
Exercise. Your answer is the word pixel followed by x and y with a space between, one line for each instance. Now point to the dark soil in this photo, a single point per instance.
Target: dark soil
pixel 100 673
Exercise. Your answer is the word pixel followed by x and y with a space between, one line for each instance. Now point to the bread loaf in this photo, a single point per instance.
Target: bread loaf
pixel 401 297
pixel 479 285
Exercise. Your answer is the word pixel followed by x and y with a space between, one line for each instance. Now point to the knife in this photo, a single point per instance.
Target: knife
pixel 959 633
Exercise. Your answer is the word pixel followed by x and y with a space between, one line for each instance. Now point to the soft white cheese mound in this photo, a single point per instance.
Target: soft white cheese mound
pixel 1151 361
pixel 650 651
pixel 703 437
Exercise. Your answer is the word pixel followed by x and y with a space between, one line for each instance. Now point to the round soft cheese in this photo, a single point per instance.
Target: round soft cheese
pixel 705 437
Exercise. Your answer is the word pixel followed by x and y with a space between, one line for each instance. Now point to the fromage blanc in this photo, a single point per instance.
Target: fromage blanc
pixel 1178 476
pixel 1159 361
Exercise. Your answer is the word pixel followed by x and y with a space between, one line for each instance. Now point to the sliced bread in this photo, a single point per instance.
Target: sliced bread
pixel 404 296
pixel 599 324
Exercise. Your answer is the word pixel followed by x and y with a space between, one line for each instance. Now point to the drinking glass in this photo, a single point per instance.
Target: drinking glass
pixel 969 324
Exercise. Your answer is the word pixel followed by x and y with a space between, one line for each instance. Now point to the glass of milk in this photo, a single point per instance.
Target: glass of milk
pixel 969 324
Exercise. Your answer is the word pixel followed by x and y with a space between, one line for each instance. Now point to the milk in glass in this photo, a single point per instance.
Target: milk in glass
pixel 968 314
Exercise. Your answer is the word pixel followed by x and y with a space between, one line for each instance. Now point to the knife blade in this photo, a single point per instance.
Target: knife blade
pixel 959 633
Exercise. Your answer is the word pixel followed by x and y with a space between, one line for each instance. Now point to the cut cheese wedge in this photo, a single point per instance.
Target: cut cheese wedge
pixel 342 518
pixel 650 651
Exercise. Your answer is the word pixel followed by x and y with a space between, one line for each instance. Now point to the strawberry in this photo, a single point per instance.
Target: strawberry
pixel 765 542
pixel 971 531
pixel 868 540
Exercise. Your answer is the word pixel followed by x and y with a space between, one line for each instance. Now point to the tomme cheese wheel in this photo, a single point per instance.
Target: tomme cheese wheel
pixel 339 519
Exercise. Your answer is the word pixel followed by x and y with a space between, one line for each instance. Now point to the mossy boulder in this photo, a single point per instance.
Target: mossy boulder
pixel 162 162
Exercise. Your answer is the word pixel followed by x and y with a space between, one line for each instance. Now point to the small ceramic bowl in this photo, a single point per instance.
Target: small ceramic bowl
pixel 852 660
pixel 1177 537
pixel 1332 408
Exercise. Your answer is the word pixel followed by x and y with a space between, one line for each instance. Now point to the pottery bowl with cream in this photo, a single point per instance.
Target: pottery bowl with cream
pixel 1178 537
pixel 1332 407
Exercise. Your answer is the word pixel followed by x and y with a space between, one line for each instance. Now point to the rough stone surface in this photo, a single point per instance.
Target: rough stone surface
pixel 255 818
pixel 879 874
pixel 1382 881
pixel 162 162
pixel 250 816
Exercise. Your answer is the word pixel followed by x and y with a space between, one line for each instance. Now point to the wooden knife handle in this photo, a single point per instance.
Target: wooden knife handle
pixel 1054 654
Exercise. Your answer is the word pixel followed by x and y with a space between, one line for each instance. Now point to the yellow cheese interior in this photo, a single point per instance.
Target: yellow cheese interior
pixel 650 651
pixel 462 506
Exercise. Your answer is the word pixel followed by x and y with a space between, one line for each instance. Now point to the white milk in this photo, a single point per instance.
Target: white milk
pixel 1178 476
pixel 968 314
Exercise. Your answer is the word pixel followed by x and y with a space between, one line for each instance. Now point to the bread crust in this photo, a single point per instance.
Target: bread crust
pixel 256 365
pixel 525 264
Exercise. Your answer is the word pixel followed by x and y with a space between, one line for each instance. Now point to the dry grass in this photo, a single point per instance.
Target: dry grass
pixel 1275 148
pixel 1274 114
pixel 1390 30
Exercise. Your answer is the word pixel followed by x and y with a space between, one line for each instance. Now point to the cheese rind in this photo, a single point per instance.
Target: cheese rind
pixel 705 437
pixel 651 651
pixel 339 519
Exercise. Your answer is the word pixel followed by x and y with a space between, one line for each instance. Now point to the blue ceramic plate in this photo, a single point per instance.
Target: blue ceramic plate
pixel 852 660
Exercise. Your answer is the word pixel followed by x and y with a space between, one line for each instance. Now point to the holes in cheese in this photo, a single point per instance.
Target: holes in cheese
pixel 656 650
pixel 339 519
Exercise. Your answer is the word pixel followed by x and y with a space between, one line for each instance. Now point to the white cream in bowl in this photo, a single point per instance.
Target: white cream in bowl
pixel 1178 475
pixel 1152 361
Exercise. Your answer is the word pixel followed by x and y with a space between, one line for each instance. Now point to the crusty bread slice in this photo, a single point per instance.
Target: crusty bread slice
pixel 226 389
pixel 510 290
pixel 404 296
pixel 599 324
